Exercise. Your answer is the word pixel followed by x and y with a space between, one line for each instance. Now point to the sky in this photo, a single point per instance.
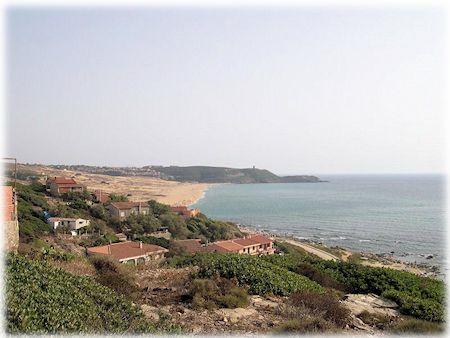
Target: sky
pixel 298 90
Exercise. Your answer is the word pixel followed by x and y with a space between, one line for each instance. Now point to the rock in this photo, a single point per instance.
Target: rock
pixel 150 312
pixel 429 257
pixel 360 325
pixel 234 315
pixel 371 303
pixel 258 301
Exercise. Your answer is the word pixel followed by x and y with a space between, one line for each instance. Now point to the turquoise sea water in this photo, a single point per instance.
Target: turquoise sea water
pixel 403 214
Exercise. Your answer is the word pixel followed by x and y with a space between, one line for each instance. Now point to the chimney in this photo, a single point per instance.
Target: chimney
pixel 140 244
pixel 109 248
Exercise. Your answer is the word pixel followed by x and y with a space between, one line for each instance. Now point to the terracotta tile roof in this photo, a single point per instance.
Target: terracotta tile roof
pixel 231 246
pixel 261 239
pixel 127 250
pixel 129 205
pixel 61 180
pixel 213 247
pixel 245 242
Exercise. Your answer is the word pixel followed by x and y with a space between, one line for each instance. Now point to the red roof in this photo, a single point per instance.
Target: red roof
pixel 246 242
pixel 230 246
pixel 127 250
pixel 62 180
pixel 261 239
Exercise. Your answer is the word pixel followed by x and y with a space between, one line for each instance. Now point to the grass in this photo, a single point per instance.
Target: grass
pixel 409 325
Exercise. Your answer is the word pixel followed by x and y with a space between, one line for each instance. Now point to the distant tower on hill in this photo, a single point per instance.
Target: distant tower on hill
pixel 254 167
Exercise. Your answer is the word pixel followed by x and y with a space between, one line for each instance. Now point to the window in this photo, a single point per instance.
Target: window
pixel 122 213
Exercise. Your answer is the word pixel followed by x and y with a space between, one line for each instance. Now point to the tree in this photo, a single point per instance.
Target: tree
pixel 118 198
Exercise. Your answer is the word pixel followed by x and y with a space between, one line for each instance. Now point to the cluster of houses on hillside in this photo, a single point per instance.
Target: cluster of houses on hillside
pixel 141 253
pixel 129 251
pixel 252 244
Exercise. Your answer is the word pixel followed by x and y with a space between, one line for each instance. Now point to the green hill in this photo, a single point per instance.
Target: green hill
pixel 205 174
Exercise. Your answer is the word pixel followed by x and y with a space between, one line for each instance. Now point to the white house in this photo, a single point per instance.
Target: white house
pixel 73 224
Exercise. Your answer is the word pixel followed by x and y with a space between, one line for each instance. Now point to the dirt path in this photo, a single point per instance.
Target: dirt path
pixel 309 248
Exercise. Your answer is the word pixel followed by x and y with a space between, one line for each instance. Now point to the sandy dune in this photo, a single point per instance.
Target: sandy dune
pixel 141 188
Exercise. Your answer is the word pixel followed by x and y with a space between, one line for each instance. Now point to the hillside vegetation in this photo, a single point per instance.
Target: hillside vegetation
pixel 200 174
pixel 33 203
pixel 420 297
pixel 44 299
pixel 204 174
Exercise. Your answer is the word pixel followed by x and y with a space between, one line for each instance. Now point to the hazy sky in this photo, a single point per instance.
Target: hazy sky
pixel 300 90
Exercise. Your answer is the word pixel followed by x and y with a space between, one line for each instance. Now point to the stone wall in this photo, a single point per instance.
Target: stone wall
pixel 12 235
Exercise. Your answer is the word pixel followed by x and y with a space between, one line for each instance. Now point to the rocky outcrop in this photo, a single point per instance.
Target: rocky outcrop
pixel 358 303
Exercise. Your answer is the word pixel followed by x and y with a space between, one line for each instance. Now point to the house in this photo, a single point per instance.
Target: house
pixel 253 244
pixel 61 185
pixel 9 218
pixel 183 211
pixel 130 252
pixel 122 210
pixel 72 224
pixel 100 196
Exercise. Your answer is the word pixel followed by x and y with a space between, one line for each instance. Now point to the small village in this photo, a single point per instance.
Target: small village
pixel 127 250
pixel 187 273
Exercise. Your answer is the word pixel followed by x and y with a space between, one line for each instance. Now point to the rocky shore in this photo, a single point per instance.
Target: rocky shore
pixel 386 260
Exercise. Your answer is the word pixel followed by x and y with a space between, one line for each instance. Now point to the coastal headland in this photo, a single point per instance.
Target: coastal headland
pixel 137 188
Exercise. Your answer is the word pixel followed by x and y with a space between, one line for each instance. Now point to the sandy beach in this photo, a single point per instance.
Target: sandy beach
pixel 138 188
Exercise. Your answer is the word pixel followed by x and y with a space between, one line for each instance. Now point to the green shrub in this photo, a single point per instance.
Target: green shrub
pixel 427 309
pixel 261 276
pixel 47 300
pixel 417 296
pixel 316 275
pixel 237 297
pixel 203 293
pixel 114 275
pixel 217 292
pixel 327 304
pixel 165 243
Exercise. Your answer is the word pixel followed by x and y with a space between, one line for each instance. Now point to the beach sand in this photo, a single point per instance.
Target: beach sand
pixel 140 188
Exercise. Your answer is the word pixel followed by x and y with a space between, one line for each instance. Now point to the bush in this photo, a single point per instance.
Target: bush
pixel 426 309
pixel 50 253
pixel 203 293
pixel 420 297
pixel 261 276
pixel 165 243
pixel 316 275
pixel 47 300
pixel 416 326
pixel 375 319
pixel 115 275
pixel 237 297
pixel 326 304
pixel 217 292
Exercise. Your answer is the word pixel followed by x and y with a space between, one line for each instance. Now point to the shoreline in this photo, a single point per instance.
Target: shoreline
pixel 338 253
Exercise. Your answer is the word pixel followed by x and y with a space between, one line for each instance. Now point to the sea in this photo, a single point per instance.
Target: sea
pixel 398 215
